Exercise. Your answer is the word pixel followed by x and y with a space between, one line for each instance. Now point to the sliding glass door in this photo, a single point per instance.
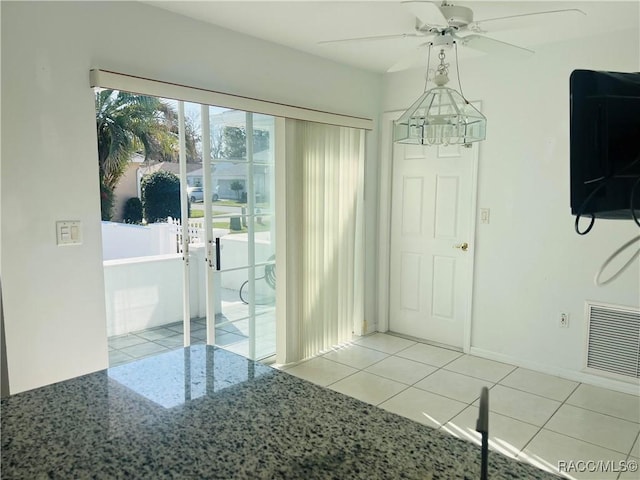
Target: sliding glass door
pixel 242 247
pixel 140 181
pixel 201 267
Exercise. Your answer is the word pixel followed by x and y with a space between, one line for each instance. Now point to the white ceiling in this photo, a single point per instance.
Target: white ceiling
pixel 302 24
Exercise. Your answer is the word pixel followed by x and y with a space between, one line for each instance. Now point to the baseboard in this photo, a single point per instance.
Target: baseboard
pixel 582 377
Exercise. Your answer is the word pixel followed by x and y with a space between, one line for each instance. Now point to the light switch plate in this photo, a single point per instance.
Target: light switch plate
pixel 69 232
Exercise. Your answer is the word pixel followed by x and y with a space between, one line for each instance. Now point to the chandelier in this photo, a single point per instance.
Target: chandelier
pixel 441 116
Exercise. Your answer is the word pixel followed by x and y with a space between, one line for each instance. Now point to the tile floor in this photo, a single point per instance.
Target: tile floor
pixel 145 343
pixel 133 346
pixel 231 336
pixel 537 418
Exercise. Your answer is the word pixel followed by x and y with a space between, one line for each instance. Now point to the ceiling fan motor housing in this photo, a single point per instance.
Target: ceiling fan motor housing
pixel 456 15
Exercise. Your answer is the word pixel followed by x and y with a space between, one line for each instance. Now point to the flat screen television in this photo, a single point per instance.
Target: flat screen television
pixel 604 144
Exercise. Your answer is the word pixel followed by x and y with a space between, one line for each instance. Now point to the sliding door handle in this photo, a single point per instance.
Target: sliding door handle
pixel 218 253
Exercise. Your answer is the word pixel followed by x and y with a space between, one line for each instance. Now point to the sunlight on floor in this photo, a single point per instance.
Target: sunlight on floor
pixel 540 419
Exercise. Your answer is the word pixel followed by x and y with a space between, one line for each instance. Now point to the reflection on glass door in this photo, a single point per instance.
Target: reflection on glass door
pixel 242 199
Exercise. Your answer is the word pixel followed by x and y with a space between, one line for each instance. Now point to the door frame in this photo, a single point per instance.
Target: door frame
pixel 384 227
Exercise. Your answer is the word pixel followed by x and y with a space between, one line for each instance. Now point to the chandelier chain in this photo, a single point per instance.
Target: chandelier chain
pixel 458 71
pixel 443 68
pixel 426 76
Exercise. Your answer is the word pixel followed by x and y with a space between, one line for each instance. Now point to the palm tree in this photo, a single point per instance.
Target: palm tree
pixel 128 123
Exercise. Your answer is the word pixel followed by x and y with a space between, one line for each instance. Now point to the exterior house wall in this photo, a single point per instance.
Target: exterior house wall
pixel 127 188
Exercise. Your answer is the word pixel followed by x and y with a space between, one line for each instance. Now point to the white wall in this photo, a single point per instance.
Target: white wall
pixel 54 296
pixel 123 240
pixel 146 292
pixel 530 265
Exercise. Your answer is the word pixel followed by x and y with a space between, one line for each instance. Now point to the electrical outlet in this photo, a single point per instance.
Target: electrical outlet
pixel 564 320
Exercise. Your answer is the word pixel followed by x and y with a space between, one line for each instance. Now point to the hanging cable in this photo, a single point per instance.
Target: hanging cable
pixel 458 72
pixel 584 205
pixel 269 277
pixel 426 76
pixel 604 182
pixel 631 202
pixel 606 263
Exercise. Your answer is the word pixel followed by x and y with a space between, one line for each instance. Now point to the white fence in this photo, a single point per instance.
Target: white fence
pixel 195 230
pixel 145 291
pixel 123 240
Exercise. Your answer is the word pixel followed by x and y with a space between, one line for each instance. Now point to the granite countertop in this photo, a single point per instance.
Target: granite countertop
pixel 204 413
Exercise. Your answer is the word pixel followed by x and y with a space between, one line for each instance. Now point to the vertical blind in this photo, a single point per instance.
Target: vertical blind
pixel 325 275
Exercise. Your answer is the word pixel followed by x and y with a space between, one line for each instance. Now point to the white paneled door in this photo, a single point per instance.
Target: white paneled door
pixel 431 258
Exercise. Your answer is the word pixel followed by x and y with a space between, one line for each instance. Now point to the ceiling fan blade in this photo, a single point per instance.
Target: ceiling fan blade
pixel 427 12
pixel 372 38
pixel 477 25
pixel 491 45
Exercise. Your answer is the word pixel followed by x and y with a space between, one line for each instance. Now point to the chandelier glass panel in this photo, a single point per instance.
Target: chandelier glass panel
pixel 441 116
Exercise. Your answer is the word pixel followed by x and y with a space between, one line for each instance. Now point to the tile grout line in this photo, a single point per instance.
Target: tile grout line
pixel 437 368
pixel 428 375
pixel 540 428
pixel 474 400
pixel 379 376
pixel 549 419
pixel 347 376
pixel 146 341
pixel 629 455
pixel 602 413
pixel 565 401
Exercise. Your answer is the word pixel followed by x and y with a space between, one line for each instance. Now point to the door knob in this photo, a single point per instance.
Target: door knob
pixel 462 246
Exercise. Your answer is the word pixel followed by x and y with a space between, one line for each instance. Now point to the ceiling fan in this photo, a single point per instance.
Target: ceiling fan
pixel 441 25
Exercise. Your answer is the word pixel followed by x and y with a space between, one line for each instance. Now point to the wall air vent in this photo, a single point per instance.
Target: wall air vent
pixel 613 342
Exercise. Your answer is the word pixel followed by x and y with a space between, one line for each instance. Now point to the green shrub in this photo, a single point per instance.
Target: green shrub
pixel 106 202
pixel 160 196
pixel 132 211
